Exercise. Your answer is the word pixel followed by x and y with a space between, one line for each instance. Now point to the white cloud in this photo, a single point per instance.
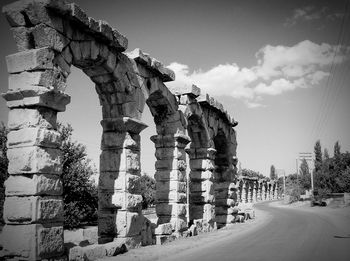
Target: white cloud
pixel 279 69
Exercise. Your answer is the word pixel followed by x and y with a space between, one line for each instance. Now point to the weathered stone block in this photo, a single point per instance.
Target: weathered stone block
pixel 24 118
pixel 171 196
pixel 205 212
pixel 166 175
pixel 165 74
pixel 30 160
pixel 130 160
pixel 177 223
pixel 163 239
pixel 222 176
pixel 126 200
pixel 165 209
pixel 35 59
pixel 191 89
pixel 171 186
pixel 140 57
pixel 87 253
pixel 76 52
pixel 33 137
pixel 21 210
pixel 129 223
pixel 111 62
pixel 225 202
pixel 77 13
pixel 201 175
pixel 205 185
pixel 47 36
pixel 33 241
pixel 128 182
pixel 35 12
pixel 201 164
pixel 110 160
pixel 146 233
pixel 202 197
pixel 119 41
pixel 171 164
pixel 131 125
pixel 115 248
pixel 106 224
pixel 170 153
pixel 105 200
pixel 61 62
pixel 41 184
pixel 164 229
pixel 225 219
pixel 47 78
pixel 23 38
pixel 106 180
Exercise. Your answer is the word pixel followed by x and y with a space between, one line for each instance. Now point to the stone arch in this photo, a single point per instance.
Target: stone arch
pixel 51 36
pixel 201 154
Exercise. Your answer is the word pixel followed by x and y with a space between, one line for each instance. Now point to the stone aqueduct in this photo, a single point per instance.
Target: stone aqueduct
pixel 51 36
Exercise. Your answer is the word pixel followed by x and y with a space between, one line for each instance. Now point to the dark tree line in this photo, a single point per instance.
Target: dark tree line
pixel 331 174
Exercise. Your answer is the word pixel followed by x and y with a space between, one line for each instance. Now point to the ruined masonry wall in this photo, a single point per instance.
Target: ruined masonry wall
pixel 51 36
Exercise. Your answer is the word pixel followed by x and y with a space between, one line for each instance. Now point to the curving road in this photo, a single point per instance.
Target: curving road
pixel 291 234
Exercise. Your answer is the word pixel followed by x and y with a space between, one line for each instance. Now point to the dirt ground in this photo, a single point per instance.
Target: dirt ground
pixel 235 230
pixel 157 252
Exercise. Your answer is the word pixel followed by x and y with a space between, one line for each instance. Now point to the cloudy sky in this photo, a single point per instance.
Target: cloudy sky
pixel 281 68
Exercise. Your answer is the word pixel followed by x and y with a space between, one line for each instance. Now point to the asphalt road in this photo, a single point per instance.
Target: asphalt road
pixel 291 234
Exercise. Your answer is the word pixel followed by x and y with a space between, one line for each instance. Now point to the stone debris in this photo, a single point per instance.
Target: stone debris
pixel 53 35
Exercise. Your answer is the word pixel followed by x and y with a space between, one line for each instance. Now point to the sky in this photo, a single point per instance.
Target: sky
pixel 280 68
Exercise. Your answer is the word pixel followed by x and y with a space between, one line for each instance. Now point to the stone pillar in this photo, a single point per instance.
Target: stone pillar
pixel 255 190
pixel 33 208
pixel 239 194
pixel 263 190
pixel 120 197
pixel 171 180
pixel 249 188
pixel 201 195
pixel 275 196
pixel 244 192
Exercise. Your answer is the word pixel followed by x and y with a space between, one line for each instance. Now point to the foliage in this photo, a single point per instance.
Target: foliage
pixel 148 190
pixel 252 173
pixel 332 174
pixel 325 154
pixel 293 190
pixel 337 150
pixel 280 186
pixel 3 165
pixel 318 155
pixel 305 176
pixel 273 174
pixel 79 194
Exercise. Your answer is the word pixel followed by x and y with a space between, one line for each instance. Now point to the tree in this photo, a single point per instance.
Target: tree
pixel 305 176
pixel 252 173
pixel 79 194
pixel 318 155
pixel 3 165
pixel 325 154
pixel 293 190
pixel 148 190
pixel 337 150
pixel 273 172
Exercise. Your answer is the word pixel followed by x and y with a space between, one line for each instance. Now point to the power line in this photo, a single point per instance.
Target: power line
pixel 328 94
